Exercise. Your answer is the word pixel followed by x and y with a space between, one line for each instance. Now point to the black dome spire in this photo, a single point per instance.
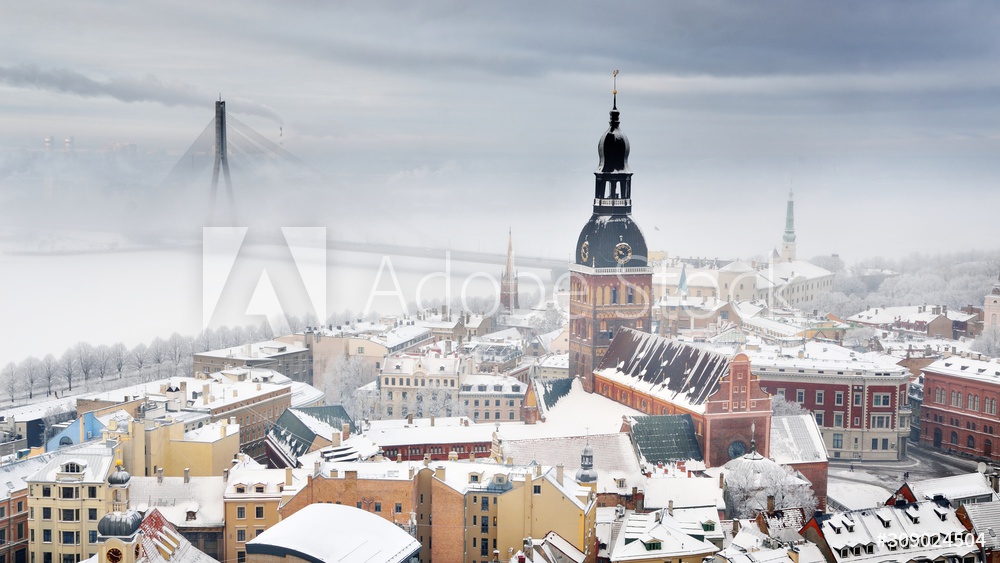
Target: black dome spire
pixel 613 147
pixel 119 524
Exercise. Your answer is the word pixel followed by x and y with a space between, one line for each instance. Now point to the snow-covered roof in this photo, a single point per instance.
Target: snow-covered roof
pixel 869 534
pixel 325 533
pixel 175 498
pixel 957 488
pixel 14 476
pixel 853 495
pixel 968 368
pixel 881 316
pixel 212 432
pixel 684 491
pixel 256 350
pixel 673 371
pixel 162 543
pixel 507 385
pixel 93 459
pixel 779 273
pixel 985 520
pixel 557 361
pixel 796 439
pixel 824 356
pixel 613 458
pixel 656 535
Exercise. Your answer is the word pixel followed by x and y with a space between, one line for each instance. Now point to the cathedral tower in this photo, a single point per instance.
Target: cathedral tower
pixel 611 285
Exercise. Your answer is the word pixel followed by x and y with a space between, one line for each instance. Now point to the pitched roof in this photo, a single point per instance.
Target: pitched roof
pixel 674 371
pixel 614 457
pixel 665 438
pixel 985 520
pixel 174 499
pixel 796 439
pixel 162 543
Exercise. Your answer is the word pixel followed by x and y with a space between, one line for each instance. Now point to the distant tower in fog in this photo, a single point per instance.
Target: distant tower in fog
pixel 508 280
pixel 991 307
pixel 788 241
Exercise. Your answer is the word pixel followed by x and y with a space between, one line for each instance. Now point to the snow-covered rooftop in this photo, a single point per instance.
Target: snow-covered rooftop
pixel 335 532
pixel 175 498
pixel 256 350
pixel 796 439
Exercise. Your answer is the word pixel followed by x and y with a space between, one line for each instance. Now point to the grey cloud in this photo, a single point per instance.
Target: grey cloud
pixel 127 89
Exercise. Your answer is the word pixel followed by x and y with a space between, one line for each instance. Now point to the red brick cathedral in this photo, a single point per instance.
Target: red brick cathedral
pixel 611 286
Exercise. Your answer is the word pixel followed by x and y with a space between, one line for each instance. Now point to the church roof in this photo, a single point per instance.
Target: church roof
pixel 603 233
pixel 671 370
pixel 666 438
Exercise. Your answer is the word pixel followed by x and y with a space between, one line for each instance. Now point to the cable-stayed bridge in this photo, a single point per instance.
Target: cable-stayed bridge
pixel 226 140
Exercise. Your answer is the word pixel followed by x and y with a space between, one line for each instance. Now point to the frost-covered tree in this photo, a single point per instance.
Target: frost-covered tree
pixel 157 354
pixel 102 360
pixel 67 367
pixel 860 337
pixel 178 349
pixel 988 342
pixel 85 359
pixel 119 358
pixel 783 407
pixel 30 370
pixel 9 378
pixel 50 368
pixel 139 356
pixel 746 492
pixel 341 380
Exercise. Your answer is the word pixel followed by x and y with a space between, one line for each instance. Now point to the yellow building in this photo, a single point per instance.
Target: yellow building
pixel 251 505
pixel 148 446
pixel 487 510
pixel 66 499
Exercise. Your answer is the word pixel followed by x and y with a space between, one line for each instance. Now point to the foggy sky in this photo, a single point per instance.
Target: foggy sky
pixel 445 124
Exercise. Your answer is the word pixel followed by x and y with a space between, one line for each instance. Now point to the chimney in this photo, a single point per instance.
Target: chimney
pixel 427 460
pixel 670 507
pixel 432 421
pixel 559 473
pixel 510 460
pixel 345 431
pixel 159 474
pixel 288 476
pixel 722 481
pixel 399 458
pixel 453 456
pixel 187 475
pixel 225 474
pixel 472 456
pixel 409 418
pixel 770 504
pixel 995 481
pixel 316 467
pixel 439 472
pixel 334 473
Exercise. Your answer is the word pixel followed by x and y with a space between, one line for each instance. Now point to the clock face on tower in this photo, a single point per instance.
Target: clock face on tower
pixel 623 252
pixel 585 251
pixel 114 555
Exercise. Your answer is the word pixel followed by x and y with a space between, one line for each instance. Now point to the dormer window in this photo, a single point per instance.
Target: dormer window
pixel 191 515
pixel 72 467
pixel 241 490
pixel 258 489
pixel 653 546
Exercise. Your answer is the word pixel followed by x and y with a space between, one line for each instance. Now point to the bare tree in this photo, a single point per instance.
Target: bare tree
pixel 85 359
pixel 178 348
pixel 157 353
pixel 10 379
pixel 50 368
pixel 203 342
pixel 102 360
pixel 29 370
pixel 119 358
pixel 67 367
pixel 988 342
pixel 140 356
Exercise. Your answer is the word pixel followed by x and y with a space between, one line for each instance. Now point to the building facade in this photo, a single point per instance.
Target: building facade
pixel 861 408
pixel 492 398
pixel 611 281
pixel 423 384
pixel 959 408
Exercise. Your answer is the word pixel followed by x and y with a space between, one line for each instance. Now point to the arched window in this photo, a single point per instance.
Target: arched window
pixel 971 442
pixel 954 438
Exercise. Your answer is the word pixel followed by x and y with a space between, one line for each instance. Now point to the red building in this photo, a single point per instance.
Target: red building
pixel 860 407
pixel 959 409
pixel 659 376
pixel 413 438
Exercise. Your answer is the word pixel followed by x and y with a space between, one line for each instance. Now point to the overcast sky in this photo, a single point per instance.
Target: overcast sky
pixel 445 123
